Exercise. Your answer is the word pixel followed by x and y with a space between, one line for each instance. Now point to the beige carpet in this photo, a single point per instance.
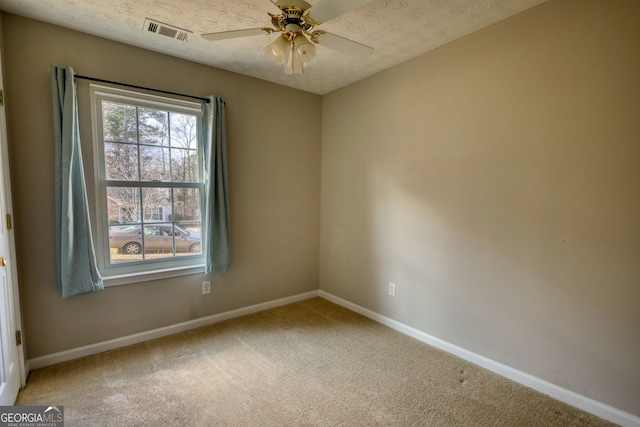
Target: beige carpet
pixel 311 363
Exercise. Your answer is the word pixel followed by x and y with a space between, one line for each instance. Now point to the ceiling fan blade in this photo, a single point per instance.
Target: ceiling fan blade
pixel 329 9
pixel 275 8
pixel 342 45
pixel 223 35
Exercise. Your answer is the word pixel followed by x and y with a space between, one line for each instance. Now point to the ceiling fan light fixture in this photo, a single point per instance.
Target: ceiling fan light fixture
pixel 304 48
pixel 277 51
pixel 293 54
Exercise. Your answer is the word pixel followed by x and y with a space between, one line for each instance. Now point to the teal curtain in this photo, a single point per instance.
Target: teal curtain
pixel 77 271
pixel 217 248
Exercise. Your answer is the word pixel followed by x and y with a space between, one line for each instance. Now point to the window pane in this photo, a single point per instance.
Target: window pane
pixel 184 131
pixel 187 217
pixel 186 240
pixel 121 161
pixel 123 205
pixel 153 126
pixel 184 165
pixel 119 122
pixel 154 163
pixel 158 241
pixel 156 203
pixel 125 243
pixel 186 204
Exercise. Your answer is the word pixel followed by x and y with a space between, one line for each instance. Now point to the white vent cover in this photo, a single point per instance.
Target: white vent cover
pixel 166 30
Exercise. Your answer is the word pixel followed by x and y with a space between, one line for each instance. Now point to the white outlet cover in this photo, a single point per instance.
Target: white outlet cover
pixel 206 287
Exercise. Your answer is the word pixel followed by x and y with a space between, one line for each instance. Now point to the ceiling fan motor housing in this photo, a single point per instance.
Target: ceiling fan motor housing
pixel 293 19
pixel 300 4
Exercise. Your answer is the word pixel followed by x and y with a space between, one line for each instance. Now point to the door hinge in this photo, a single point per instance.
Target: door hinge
pixel 9 222
pixel 18 337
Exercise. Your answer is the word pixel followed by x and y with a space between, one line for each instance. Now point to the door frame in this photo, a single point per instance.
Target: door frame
pixel 7 209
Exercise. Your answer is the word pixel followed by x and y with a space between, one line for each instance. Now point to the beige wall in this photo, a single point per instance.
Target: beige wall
pixel 496 180
pixel 275 184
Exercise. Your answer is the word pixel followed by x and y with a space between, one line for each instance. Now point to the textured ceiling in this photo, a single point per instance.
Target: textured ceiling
pixel 397 29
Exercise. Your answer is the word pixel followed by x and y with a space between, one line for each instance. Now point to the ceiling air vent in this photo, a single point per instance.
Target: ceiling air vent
pixel 166 30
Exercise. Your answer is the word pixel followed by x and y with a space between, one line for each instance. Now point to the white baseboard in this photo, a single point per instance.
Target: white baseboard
pixel 582 402
pixel 88 350
pixel 599 409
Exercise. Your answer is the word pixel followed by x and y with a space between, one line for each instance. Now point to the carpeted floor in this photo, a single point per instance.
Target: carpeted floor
pixel 311 363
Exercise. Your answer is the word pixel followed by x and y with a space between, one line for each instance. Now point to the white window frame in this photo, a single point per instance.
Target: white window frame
pixel 145 270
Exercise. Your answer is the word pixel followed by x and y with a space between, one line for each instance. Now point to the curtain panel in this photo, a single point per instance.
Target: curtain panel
pixel 77 269
pixel 217 238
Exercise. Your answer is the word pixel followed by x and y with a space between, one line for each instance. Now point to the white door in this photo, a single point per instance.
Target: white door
pixel 11 354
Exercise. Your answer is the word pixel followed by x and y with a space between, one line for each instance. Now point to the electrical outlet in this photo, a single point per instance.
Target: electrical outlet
pixel 206 287
pixel 392 289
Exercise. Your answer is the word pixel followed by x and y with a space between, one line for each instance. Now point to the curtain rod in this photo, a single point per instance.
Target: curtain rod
pixel 141 87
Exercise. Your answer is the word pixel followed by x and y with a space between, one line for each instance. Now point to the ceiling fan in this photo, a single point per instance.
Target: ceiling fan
pixel 296 21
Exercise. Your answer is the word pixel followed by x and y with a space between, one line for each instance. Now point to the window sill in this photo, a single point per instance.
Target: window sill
pixel 147 276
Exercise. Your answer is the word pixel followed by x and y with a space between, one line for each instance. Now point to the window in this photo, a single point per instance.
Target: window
pixel 149 180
